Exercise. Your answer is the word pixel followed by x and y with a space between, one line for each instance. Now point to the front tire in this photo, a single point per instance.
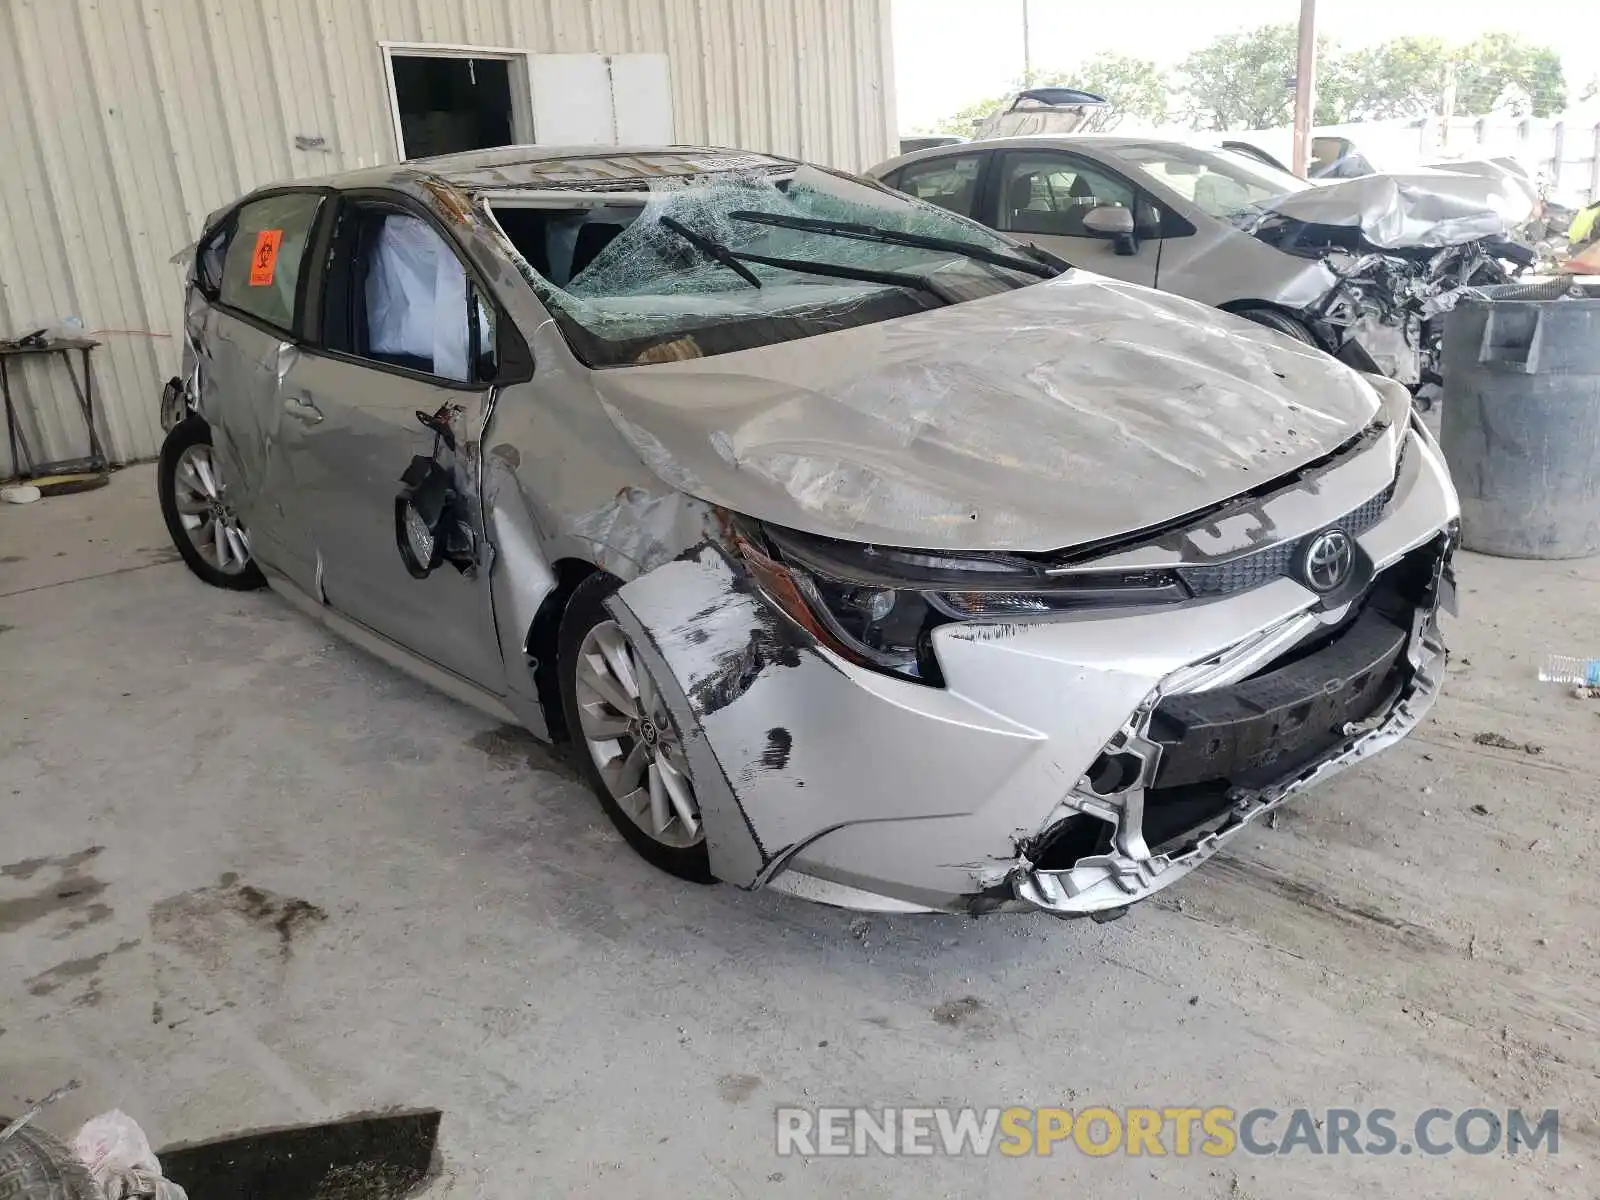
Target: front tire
pixel 199 518
pixel 625 740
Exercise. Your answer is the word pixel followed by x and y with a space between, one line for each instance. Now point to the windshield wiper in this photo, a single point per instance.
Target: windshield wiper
pixel 734 260
pixel 835 271
pixel 894 237
pixel 713 250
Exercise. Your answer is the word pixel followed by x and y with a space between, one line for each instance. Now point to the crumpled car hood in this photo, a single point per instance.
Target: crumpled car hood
pixel 1424 208
pixel 1062 413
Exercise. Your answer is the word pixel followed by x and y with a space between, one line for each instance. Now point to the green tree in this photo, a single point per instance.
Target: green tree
pixel 1136 87
pixel 1244 80
pixel 1241 80
pixel 1502 70
pixel 964 120
pixel 1404 77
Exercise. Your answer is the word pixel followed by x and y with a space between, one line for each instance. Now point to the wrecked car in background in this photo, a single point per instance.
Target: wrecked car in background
pixel 1360 268
pixel 864 554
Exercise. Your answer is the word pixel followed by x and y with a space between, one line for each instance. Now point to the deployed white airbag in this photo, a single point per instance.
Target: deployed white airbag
pixel 417 297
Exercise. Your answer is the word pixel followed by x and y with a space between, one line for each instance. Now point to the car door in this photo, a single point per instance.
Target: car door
pixel 251 271
pixel 393 343
pixel 1041 196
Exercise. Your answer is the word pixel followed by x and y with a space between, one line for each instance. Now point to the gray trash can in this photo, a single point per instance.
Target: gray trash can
pixel 1521 421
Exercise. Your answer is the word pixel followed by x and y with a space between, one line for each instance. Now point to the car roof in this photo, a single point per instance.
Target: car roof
pixel 1058 141
pixel 566 168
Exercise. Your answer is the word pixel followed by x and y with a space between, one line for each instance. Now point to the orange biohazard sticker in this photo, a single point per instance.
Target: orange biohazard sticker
pixel 264 262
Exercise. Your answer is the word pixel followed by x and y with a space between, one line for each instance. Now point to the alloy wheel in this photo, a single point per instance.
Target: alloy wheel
pixel 631 738
pixel 203 509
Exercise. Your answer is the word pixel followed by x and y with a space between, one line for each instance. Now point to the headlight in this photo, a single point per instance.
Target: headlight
pixel 882 625
pixel 877 606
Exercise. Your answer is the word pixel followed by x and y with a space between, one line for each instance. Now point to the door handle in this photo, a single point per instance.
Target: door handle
pixel 302 408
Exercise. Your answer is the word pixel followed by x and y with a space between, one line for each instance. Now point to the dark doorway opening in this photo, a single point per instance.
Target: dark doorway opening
pixel 451 104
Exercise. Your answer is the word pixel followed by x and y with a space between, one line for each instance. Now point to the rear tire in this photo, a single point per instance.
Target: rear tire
pixel 36 1166
pixel 650 732
pixel 178 487
pixel 1282 322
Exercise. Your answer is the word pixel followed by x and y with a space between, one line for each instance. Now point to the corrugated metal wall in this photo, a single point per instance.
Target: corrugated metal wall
pixel 123 122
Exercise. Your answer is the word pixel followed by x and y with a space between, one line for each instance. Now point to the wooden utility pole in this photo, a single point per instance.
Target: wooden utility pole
pixel 1447 105
pixel 1027 49
pixel 1305 85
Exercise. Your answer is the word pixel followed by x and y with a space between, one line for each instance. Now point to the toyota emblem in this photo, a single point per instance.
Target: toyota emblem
pixel 1327 560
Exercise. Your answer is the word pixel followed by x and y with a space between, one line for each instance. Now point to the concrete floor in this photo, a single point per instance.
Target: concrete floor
pixel 442 917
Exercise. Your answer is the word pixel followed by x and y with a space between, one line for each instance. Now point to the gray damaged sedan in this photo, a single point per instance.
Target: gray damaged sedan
pixel 861 552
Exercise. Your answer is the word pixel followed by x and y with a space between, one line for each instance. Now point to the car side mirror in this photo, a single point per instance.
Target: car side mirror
pixel 1112 221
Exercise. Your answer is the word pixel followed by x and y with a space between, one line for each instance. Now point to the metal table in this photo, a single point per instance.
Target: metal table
pixel 23 463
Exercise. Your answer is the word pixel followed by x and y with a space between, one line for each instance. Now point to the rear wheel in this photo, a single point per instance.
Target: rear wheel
pixel 1282 322
pixel 628 746
pixel 194 502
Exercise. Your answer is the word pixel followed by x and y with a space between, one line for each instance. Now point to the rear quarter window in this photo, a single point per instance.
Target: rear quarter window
pixel 264 256
pixel 951 183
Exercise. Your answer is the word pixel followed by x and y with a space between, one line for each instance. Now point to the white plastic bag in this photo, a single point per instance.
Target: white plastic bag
pixel 119 1157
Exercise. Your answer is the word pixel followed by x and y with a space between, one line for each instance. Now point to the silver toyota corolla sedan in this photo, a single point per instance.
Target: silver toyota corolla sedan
pixel 861 552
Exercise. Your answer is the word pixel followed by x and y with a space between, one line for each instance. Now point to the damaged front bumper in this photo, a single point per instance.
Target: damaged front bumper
pixel 1130 871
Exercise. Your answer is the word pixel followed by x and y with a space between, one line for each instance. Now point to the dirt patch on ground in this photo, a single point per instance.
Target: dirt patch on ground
pixel 511 748
pixel 63 886
pixel 956 1013
pixel 79 976
pixel 215 923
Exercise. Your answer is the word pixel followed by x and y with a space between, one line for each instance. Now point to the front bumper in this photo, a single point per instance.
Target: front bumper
pixel 1129 869
pixel 856 788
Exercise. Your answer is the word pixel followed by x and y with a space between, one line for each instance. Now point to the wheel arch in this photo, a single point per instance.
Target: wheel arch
pixel 1239 307
pixel 1242 308
pixel 542 642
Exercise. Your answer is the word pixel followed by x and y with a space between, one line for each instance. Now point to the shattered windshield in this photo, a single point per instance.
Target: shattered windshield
pixel 713 264
pixel 1222 183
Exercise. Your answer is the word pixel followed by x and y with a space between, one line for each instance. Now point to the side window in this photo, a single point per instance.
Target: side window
pixel 1050 193
pixel 948 182
pixel 1327 152
pixel 209 259
pixel 398 294
pixel 261 257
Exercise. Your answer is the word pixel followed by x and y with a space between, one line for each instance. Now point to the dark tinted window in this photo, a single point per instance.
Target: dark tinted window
pixel 209 258
pixel 950 183
pixel 262 262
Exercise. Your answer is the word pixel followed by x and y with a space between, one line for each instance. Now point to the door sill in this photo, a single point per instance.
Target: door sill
pixel 396 655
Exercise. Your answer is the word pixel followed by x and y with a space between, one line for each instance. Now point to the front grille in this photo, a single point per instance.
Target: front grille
pixel 1273 562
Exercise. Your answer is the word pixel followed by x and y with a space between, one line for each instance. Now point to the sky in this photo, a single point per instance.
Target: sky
pixel 950 53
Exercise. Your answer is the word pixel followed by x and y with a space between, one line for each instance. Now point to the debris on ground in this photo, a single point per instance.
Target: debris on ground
pixel 1481 809
pixel 119 1157
pixel 1501 742
pixel 34 1109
